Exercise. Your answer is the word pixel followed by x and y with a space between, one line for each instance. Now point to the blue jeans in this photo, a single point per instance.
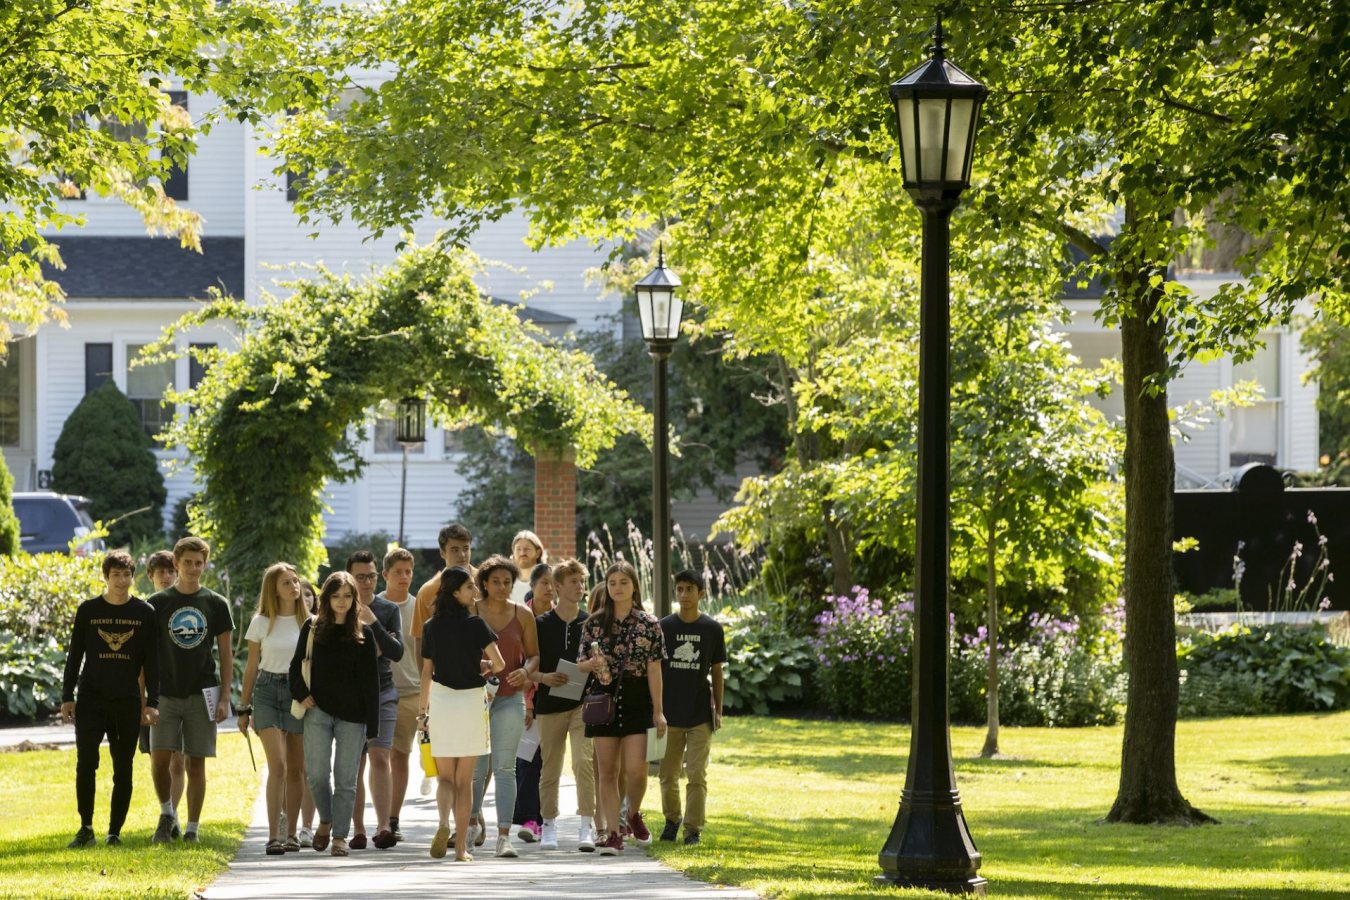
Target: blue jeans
pixel 335 797
pixel 506 721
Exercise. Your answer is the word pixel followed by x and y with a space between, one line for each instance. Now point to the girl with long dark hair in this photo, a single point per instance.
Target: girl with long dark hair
pixel 342 705
pixel 622 647
pixel 454 701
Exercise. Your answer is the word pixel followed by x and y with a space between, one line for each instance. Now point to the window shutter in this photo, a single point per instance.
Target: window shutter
pixel 176 181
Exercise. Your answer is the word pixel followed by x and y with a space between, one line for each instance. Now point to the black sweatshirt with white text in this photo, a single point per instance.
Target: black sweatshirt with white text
pixel 110 645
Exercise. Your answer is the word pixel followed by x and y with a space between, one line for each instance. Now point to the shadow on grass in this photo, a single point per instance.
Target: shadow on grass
pixel 837 857
pixel 47 851
pixel 871 764
pixel 1301 774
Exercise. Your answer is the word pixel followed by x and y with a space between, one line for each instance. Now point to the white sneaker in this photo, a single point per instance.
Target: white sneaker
pixel 504 848
pixel 427 785
pixel 306 837
pixel 548 836
pixel 474 831
pixel 586 838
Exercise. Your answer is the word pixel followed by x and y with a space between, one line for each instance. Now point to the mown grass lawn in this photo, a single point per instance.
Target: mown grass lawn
pixel 801 808
pixel 37 797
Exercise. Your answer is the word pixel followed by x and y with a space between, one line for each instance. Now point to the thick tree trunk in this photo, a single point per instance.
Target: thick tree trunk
pixel 990 748
pixel 1148 790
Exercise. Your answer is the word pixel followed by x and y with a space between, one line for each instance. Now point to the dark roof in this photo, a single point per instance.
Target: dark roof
pixel 534 314
pixel 1074 287
pixel 147 268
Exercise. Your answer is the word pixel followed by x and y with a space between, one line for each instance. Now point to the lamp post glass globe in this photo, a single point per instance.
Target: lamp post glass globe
pixel 658 307
pixel 937 108
pixel 410 419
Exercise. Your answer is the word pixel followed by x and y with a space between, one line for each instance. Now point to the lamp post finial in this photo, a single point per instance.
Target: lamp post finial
pixel 939 51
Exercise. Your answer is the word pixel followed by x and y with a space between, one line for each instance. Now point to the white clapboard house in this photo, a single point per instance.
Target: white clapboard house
pixel 124 287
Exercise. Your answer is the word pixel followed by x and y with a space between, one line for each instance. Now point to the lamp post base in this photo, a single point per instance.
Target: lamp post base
pixel 974 885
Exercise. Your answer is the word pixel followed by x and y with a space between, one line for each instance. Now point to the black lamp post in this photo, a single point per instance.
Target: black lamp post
pixel 409 428
pixel 660 311
pixel 936 106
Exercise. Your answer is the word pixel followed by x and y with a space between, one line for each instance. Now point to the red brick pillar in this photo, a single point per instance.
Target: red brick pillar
pixel 555 503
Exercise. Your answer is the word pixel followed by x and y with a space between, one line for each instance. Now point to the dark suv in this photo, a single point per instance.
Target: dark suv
pixel 49 522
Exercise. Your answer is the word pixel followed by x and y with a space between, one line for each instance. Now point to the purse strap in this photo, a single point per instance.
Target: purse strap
pixel 309 653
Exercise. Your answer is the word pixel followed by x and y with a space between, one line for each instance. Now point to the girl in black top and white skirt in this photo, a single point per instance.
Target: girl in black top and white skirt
pixel 454 701
pixel 622 646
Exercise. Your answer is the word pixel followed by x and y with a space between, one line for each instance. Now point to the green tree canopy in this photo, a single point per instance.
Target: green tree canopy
pixel 283 413
pixel 737 120
pixel 104 454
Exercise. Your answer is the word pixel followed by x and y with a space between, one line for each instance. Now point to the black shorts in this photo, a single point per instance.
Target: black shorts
pixel 632 713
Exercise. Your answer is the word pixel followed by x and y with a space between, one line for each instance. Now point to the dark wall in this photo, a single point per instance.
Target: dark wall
pixel 1267 519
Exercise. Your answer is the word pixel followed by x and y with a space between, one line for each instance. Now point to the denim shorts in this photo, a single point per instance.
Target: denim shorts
pixel 272 704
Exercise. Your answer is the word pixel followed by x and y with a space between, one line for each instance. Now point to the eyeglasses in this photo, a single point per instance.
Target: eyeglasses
pixel 370 577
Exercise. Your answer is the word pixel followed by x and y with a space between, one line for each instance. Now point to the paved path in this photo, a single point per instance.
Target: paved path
pixel 64 735
pixel 408 871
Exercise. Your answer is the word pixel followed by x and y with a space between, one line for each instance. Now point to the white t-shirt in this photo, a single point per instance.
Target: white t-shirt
pixel 278 645
pixel 406 674
pixel 519 590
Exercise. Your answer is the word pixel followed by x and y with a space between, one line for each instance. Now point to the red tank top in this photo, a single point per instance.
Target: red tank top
pixel 511 644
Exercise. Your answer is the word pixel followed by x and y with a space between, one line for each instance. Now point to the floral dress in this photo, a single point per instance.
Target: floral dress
pixel 629 644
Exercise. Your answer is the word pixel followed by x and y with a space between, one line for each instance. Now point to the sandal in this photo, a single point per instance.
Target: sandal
pixel 339 847
pixel 275 848
pixel 321 836
pixel 291 844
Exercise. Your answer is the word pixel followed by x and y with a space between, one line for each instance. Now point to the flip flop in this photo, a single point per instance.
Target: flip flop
pixel 275 848
pixel 339 847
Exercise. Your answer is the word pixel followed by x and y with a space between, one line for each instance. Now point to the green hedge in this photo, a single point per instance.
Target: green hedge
pixel 38 598
pixel 1265 670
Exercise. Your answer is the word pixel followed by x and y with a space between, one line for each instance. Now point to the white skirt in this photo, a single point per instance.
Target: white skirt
pixel 458 721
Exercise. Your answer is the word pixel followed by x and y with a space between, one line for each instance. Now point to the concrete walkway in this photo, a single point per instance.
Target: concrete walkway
pixel 58 735
pixel 408 871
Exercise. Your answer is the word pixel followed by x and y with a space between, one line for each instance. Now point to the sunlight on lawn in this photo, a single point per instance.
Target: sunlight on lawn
pixel 37 794
pixel 800 809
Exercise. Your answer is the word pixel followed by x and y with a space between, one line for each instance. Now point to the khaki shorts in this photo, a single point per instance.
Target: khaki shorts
pixel 184 724
pixel 405 726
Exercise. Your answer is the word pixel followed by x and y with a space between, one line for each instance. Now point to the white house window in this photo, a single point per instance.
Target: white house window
pixel 146 385
pixel 1256 428
pixel 454 441
pixel 386 433
pixel 9 397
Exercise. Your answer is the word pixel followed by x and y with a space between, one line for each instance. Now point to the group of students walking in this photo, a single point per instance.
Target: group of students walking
pixel 342 686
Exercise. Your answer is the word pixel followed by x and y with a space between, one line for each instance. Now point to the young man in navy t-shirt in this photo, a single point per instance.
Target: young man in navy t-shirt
pixel 695 650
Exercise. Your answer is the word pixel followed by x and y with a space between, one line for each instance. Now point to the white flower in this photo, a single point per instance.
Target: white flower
pixel 1312 519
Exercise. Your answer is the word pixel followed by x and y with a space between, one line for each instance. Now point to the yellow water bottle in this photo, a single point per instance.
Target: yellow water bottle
pixel 428 763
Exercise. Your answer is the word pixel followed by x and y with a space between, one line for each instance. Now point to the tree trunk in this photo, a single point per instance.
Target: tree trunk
pixel 1148 790
pixel 990 748
pixel 841 555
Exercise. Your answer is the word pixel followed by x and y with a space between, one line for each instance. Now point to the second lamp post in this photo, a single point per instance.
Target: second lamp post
pixel 660 311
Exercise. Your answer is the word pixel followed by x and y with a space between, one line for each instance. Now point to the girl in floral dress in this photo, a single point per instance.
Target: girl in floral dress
pixel 622 647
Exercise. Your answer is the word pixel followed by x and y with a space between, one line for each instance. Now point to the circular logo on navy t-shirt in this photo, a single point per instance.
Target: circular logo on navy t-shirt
pixel 187 627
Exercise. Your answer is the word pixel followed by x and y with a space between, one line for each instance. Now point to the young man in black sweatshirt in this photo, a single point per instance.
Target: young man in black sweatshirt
pixel 114 641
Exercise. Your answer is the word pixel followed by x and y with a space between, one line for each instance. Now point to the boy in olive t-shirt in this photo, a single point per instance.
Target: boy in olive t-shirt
pixel 190 619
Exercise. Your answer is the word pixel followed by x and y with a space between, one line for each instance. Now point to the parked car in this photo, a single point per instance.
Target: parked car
pixel 49 522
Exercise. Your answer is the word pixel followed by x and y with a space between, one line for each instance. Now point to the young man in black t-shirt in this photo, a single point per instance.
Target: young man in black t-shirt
pixel 112 644
pixel 695 649
pixel 193 700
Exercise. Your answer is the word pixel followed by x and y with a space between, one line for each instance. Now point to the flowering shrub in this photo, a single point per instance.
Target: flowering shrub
pixel 862 655
pixel 1057 676
pixel 1060 675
